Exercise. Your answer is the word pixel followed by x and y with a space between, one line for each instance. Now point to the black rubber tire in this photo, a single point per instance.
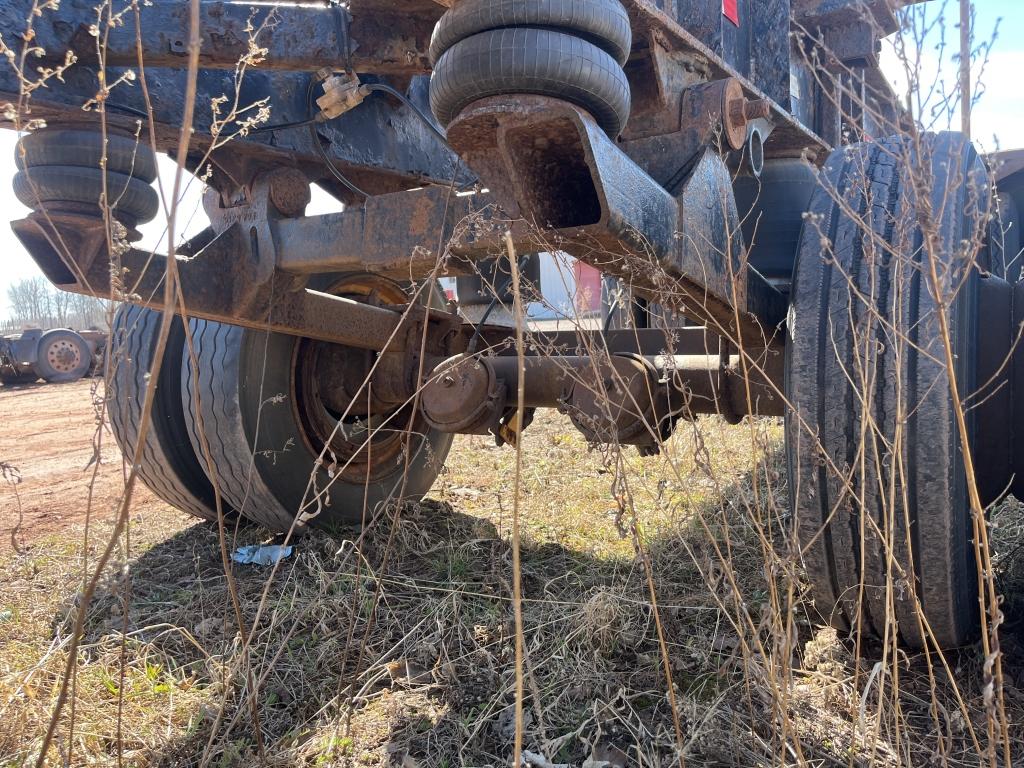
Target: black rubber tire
pixel 134 201
pixel 262 460
pixel 168 465
pixel 830 336
pixel 537 61
pixel 84 148
pixel 604 23
pixel 43 367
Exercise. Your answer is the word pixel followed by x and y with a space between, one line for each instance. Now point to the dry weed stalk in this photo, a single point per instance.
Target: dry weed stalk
pixel 700 645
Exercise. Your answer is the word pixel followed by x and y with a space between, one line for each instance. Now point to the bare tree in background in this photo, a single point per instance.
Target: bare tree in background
pixel 36 303
pixel 30 300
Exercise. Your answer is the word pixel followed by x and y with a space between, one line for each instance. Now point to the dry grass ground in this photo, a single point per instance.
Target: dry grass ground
pixel 402 653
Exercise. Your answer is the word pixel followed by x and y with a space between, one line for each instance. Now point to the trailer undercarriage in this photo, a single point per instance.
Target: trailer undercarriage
pixel 651 140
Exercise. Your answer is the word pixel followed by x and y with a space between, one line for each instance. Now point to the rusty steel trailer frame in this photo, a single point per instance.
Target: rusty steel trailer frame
pixel 658 211
pixel 677 153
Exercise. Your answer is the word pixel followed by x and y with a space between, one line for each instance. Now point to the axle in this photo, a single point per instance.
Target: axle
pixel 630 399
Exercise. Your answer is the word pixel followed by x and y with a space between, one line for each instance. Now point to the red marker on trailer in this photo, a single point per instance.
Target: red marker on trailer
pixel 731 11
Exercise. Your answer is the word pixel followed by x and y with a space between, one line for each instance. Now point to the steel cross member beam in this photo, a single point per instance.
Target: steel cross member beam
pixel 210 284
pixel 386 39
pixel 72 252
pixel 229 273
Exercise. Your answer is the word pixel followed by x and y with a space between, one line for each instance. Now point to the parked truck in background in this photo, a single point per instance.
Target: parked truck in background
pixel 54 355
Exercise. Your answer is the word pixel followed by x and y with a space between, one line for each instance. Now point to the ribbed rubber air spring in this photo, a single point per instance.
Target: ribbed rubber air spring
pixel 133 201
pixel 604 23
pixel 531 61
pixel 84 148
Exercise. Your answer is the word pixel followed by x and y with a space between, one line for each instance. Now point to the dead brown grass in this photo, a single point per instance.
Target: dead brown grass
pixel 435 687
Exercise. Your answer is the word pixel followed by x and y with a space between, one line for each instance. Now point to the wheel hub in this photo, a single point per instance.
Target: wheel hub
pixel 63 356
pixel 361 435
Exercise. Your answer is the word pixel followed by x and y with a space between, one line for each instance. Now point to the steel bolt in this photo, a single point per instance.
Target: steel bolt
pixel 757 108
pixel 743 110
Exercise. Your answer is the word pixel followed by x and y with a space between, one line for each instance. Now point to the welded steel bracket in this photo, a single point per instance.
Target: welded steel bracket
pixel 228 273
pixel 547 162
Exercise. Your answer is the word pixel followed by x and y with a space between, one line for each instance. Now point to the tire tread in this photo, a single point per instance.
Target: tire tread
pixel 166 465
pixel 875 345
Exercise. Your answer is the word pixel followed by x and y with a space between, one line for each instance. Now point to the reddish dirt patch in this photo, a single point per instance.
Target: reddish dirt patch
pixel 47 434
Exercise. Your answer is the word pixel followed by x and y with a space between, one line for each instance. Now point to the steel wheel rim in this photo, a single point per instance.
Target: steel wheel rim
pixel 63 356
pixel 343 441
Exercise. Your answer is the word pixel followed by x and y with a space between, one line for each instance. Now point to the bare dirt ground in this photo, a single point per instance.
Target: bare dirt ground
pixel 402 654
pixel 48 434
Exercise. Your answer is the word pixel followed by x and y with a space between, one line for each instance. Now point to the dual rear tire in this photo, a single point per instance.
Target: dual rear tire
pixel 166 462
pixel 237 421
pixel 877 476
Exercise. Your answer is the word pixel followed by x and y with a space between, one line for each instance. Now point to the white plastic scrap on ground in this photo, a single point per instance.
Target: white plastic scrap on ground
pixel 261 554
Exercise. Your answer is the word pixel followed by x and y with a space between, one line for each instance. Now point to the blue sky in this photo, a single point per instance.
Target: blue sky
pixel 998 117
pixel 998 121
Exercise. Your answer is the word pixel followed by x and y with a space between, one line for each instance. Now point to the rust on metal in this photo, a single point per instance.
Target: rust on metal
pixel 342 394
pixel 289 191
pixel 605 210
pixel 627 398
pixel 276 304
pixel 400 235
pixel 650 21
pixel 463 395
pixel 387 38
